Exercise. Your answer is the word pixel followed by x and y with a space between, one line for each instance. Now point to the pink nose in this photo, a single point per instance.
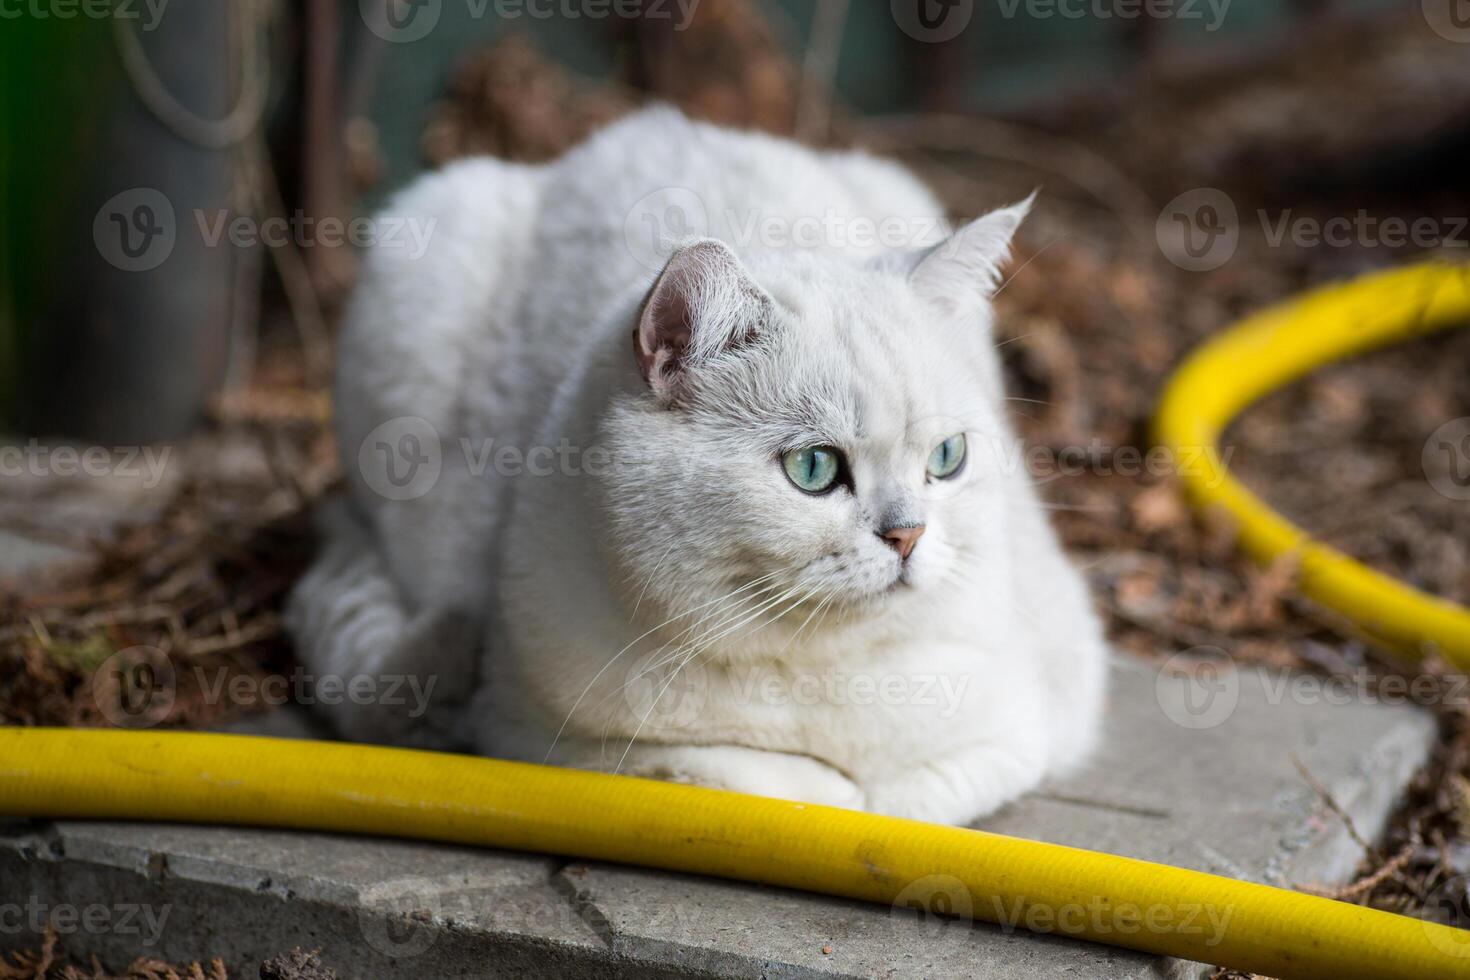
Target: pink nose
pixel 903 539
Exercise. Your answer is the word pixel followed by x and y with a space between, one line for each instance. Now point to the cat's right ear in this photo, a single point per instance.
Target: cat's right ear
pixel 703 303
pixel 965 270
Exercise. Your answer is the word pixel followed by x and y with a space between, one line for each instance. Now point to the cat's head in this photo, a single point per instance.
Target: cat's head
pixel 812 433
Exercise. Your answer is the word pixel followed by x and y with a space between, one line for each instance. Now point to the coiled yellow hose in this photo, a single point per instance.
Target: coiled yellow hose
pixel 1271 349
pixel 434 796
pixel 1158 909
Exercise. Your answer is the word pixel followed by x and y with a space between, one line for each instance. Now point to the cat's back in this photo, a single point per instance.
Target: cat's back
pixel 615 207
pixel 434 301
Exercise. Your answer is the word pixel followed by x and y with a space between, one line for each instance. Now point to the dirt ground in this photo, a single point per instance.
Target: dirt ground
pixel 1373 119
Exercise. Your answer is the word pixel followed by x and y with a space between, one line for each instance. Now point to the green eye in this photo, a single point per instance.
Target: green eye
pixel 814 470
pixel 948 457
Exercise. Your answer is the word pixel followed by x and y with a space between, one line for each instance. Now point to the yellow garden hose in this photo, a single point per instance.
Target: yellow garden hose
pixel 202 778
pixel 1271 349
pixel 240 779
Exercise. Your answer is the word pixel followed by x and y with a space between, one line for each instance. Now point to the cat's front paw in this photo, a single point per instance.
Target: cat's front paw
pixel 761 773
pixel 955 789
pixel 799 778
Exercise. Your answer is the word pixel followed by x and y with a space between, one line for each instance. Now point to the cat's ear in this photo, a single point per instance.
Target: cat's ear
pixel 966 268
pixel 703 303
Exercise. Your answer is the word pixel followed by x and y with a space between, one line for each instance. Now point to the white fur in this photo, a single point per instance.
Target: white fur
pixel 670 604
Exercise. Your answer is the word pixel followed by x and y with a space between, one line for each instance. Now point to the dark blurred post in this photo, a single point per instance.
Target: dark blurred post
pixel 133 336
pixel 939 70
pixel 323 170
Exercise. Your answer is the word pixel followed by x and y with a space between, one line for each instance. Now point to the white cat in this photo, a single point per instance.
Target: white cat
pixel 686 456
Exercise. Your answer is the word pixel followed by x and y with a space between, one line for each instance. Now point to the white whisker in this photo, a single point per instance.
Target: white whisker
pixel 637 639
pixel 705 645
pixel 649 581
pixel 1034 256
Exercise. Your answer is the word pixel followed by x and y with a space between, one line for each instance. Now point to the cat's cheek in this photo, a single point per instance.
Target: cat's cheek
pixel 817 533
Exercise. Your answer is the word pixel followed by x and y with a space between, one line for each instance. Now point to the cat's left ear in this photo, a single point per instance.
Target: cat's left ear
pixel 965 269
pixel 702 304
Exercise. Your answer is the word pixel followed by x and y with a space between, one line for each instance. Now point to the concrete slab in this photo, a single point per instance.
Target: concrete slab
pixel 82 500
pixel 1200 769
